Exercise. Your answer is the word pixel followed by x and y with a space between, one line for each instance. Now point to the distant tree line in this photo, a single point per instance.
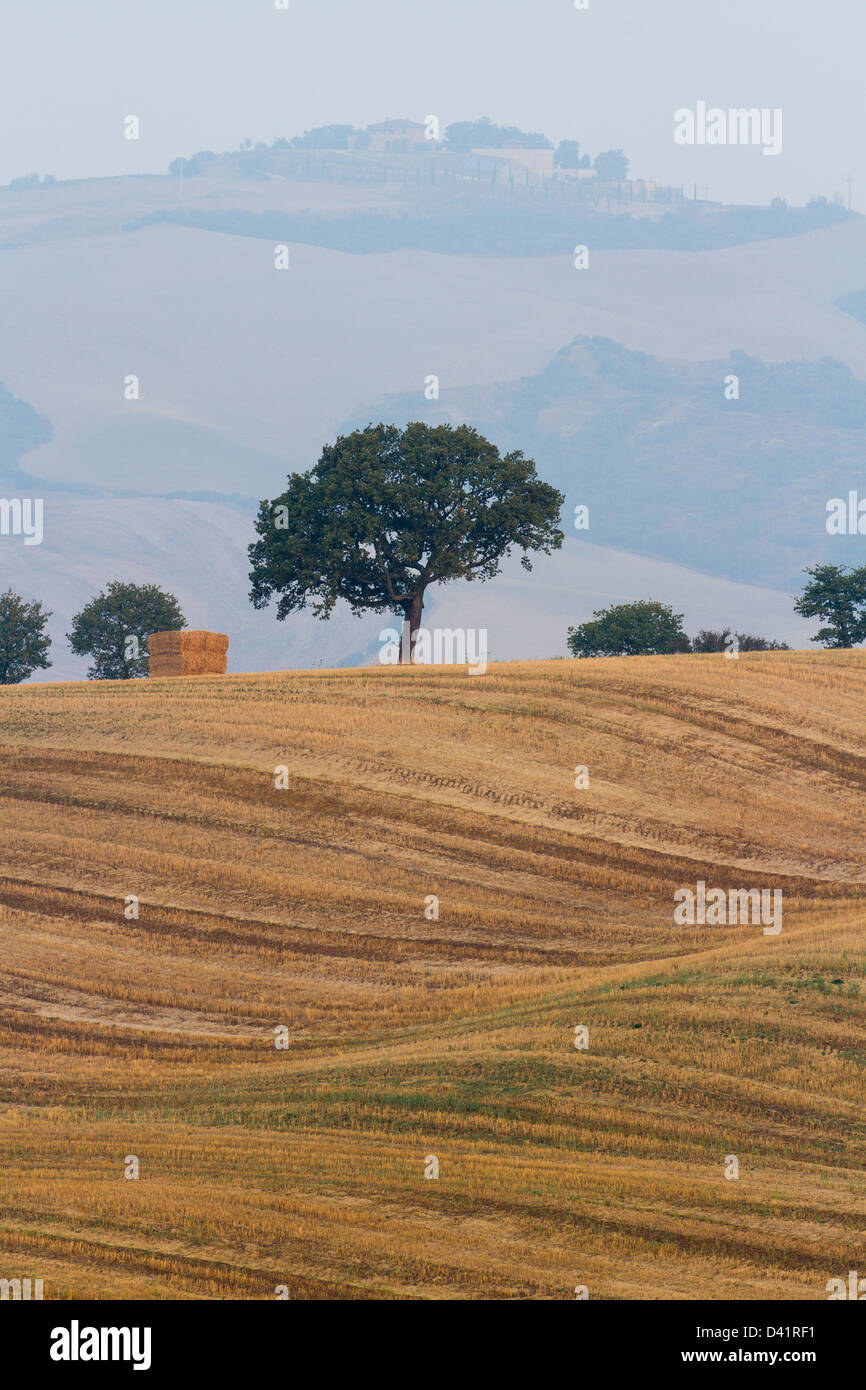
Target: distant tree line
pixel 650 628
pixel 835 593
pixel 26 181
pixel 460 138
pixel 113 628
pixel 544 228
pixel 386 513
pixel 484 134
pixel 320 542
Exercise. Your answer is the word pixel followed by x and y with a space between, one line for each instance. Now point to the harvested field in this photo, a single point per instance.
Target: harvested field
pixel 309 908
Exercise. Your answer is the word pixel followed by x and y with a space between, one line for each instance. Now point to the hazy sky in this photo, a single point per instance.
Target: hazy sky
pixel 206 74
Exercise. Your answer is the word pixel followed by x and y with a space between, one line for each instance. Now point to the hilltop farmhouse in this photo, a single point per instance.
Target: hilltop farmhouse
pixel 397 137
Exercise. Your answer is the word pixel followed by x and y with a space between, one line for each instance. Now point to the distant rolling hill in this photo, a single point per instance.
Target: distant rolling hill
pixel 246 371
pixel 669 465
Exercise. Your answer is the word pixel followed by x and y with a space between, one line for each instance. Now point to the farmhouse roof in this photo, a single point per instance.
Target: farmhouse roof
pixel 385 127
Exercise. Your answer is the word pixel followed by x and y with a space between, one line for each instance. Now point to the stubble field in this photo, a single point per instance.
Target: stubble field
pixel 408 1037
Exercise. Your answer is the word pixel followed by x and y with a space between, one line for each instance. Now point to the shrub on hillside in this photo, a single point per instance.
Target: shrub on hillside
pixel 709 641
pixel 645 628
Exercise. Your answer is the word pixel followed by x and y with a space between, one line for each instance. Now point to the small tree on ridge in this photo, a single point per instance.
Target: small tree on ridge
pixel 24 644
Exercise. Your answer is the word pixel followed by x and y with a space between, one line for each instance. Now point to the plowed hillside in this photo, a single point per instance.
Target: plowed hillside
pixel 309 907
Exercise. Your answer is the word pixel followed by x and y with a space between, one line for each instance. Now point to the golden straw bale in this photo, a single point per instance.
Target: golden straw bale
pixel 188 653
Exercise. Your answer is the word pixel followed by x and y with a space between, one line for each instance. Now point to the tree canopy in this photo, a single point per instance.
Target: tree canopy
pixel 611 166
pixel 838 595
pixel 324 137
pixel 485 135
pixel 644 628
pixel 386 512
pixel 24 644
pixel 114 627
pixel 568 156
pixel 650 628
pixel 709 640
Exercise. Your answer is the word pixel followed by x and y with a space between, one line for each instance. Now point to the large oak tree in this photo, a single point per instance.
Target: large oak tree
pixel 386 512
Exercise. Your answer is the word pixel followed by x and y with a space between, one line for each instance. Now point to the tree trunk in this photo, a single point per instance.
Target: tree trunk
pixel 412 610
